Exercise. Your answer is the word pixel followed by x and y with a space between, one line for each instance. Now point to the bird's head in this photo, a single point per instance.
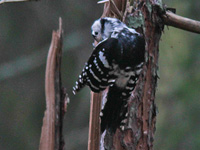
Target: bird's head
pixel 103 28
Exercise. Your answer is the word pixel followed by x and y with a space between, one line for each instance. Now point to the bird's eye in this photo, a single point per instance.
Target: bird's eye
pixel 95 33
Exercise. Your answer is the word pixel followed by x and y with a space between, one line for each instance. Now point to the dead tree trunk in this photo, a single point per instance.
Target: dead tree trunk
pixel 56 97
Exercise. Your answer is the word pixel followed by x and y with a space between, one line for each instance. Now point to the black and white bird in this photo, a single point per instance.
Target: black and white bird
pixel 116 63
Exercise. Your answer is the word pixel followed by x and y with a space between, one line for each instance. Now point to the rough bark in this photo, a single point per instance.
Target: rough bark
pixel 138 132
pixel 149 17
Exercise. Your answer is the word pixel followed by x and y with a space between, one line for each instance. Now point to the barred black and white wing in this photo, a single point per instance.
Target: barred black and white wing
pixel 115 63
pixel 96 73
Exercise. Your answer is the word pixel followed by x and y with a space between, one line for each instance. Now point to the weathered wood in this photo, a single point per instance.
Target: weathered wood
pixel 180 22
pixel 94 124
pixel 56 97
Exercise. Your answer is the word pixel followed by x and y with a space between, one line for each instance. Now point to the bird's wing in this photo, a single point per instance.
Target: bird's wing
pixel 95 74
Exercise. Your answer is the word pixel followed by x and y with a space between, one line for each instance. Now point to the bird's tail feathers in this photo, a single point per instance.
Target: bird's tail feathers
pixel 114 110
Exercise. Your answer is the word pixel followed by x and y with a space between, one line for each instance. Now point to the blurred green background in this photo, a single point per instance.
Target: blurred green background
pixel 25 35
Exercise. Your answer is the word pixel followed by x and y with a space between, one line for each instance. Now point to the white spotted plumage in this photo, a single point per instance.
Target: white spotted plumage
pixel 116 63
pixel 102 70
pixel 103 59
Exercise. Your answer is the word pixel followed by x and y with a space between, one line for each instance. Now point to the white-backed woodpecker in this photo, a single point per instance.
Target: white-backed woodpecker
pixel 115 63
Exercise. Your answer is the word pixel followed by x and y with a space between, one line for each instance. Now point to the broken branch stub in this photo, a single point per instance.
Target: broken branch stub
pixel 56 97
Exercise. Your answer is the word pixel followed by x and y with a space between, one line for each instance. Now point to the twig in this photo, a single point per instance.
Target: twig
pixel 103 1
pixel 177 21
pixel 11 1
pixel 111 9
pixel 107 10
pixel 127 7
pixel 169 18
pixel 115 9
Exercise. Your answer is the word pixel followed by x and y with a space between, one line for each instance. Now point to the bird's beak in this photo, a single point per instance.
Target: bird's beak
pixel 94 36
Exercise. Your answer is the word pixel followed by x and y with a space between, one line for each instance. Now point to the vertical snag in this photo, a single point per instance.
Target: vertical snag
pixel 56 97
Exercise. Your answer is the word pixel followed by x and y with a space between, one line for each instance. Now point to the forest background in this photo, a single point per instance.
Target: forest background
pixel 25 35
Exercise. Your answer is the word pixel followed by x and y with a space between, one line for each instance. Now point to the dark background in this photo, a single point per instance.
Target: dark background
pixel 25 35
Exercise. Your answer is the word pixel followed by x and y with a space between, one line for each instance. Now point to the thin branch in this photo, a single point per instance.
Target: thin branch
pixel 103 1
pixel 111 8
pixel 13 1
pixel 127 7
pixel 180 22
pixel 115 9
pixel 169 18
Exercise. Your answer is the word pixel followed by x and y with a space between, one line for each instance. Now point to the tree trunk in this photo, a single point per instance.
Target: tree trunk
pixel 138 133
